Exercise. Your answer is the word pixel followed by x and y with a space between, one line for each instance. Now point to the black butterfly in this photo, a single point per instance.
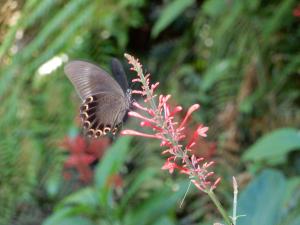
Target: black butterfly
pixel 105 101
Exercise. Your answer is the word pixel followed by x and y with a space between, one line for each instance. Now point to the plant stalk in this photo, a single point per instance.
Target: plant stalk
pixel 219 206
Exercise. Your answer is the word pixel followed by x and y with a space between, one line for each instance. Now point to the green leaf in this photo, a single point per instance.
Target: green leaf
pixel 60 220
pixel 169 14
pixel 293 185
pixel 215 73
pixel 282 16
pixel 86 196
pixel 62 39
pixel 164 221
pixel 275 144
pixel 53 184
pixel 295 221
pixel 261 202
pixel 52 26
pixel 110 164
pixel 64 217
pixel 291 201
pixel 214 7
pixel 147 174
pixel 157 206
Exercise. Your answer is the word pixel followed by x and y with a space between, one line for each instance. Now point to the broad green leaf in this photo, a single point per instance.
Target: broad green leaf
pixel 52 185
pixel 38 12
pixel 61 40
pixel 76 221
pixel 111 164
pixel 157 206
pixel 214 7
pixel 291 201
pixel 52 26
pixel 58 216
pixel 61 220
pixel 86 196
pixel 262 201
pixel 275 144
pixel 215 73
pixel 169 14
pixel 295 221
pixel 69 212
pixel 282 16
pixel 139 180
pixel 164 221
pixel 293 185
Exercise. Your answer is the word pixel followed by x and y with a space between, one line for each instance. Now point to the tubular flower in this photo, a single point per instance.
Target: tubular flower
pixel 158 115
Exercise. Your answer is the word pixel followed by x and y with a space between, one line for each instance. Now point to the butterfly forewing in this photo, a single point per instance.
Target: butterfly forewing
pixel 88 79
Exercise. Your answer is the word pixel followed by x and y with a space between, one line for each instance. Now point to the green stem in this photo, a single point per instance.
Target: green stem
pixel 219 206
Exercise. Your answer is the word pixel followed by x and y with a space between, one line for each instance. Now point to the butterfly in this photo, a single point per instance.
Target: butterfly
pixel 105 101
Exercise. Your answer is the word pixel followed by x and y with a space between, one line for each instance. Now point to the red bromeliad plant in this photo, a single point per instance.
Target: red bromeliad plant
pixel 296 11
pixel 160 117
pixel 82 154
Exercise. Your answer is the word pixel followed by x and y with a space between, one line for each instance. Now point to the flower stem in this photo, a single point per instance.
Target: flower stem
pixel 235 193
pixel 219 206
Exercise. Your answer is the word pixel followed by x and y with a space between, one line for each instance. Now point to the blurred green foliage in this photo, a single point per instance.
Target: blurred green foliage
pixel 239 59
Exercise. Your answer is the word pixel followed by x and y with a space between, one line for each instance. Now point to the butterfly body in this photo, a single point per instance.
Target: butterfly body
pixel 105 101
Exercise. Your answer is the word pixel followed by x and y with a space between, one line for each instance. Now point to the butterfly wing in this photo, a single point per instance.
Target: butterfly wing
pixel 102 113
pixel 104 102
pixel 119 74
pixel 89 79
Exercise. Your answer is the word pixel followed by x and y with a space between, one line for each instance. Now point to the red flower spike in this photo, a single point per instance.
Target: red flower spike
pixel 176 110
pixel 151 112
pixel 136 80
pixel 161 120
pixel 138 92
pixel 189 113
pixel 166 144
pixel 215 184
pixel 169 166
pixel 154 86
pixel 137 115
pixel 147 124
pixel 209 174
pixel 200 131
pixel 136 133
pixel 170 150
pixel 137 105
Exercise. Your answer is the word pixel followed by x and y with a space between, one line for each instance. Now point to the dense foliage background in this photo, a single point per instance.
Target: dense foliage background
pixel 239 59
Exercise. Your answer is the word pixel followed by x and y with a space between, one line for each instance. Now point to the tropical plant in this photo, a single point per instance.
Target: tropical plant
pixel 238 59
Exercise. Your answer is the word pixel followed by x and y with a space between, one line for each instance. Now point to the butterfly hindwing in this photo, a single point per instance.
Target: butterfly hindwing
pixel 102 113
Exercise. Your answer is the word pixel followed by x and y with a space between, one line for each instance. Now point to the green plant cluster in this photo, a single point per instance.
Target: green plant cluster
pixel 240 60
